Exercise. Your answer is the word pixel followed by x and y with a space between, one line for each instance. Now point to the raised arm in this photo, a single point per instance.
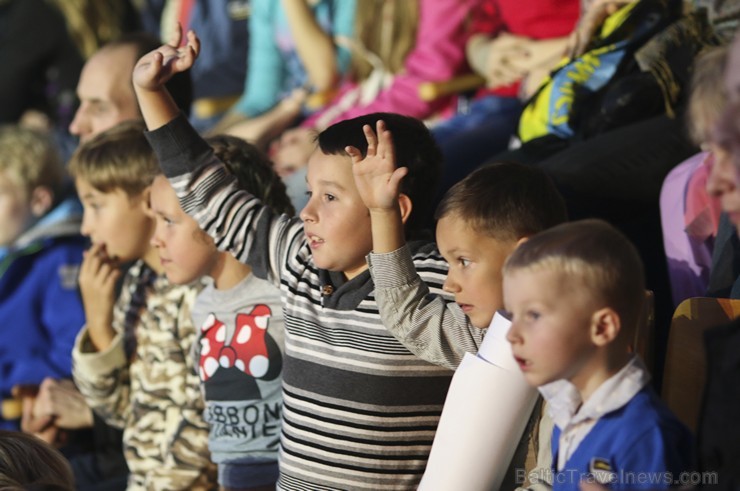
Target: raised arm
pixel 429 326
pixel 378 182
pixel 154 69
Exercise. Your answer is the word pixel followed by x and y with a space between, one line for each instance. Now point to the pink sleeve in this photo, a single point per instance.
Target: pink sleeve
pixel 439 54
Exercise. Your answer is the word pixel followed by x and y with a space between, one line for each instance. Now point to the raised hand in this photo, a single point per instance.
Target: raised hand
pixel 376 176
pixel 158 66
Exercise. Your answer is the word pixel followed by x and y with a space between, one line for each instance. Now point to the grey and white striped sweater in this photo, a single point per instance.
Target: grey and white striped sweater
pixel 360 411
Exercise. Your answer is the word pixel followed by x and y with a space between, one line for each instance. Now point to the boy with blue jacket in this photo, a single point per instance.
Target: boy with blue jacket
pixel 575 294
pixel 40 255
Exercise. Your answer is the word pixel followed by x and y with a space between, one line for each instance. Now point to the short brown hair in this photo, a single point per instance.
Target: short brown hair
pixel 26 462
pixel 594 252
pixel 505 201
pixel 118 158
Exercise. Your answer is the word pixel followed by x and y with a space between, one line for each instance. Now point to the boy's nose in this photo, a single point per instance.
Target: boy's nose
pixel 450 285
pixel 85 229
pixel 307 214
pixel 512 335
pixel 155 240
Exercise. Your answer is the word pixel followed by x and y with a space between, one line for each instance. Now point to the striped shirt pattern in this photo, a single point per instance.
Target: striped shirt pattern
pixel 360 410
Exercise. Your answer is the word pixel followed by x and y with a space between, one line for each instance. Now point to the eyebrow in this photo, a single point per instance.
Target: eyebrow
pixel 332 184
pixel 453 250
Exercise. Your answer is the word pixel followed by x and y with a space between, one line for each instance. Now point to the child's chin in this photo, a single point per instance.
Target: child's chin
pixel 178 279
pixel 481 323
pixel 322 263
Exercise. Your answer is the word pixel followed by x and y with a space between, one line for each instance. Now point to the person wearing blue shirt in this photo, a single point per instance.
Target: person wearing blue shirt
pixel 575 294
pixel 40 254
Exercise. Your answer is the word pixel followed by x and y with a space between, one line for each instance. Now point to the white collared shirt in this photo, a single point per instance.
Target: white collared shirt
pixel 576 420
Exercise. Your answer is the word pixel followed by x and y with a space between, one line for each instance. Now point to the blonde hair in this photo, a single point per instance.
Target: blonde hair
pixel 391 38
pixel 118 158
pixel 30 158
pixel 595 255
pixel 708 97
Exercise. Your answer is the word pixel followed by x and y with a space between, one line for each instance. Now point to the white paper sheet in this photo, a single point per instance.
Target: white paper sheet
pixel 484 416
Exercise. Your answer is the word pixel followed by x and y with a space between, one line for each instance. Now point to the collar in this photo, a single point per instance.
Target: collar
pixel 564 399
pixel 64 220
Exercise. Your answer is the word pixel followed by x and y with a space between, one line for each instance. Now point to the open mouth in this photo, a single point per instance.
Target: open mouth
pixel 314 241
pixel 523 364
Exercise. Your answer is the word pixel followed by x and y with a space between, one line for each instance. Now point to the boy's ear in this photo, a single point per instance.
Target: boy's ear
pixel 41 200
pixel 605 326
pixel 146 196
pixel 405 204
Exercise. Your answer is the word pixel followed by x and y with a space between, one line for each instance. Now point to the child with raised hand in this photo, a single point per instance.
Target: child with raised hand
pixel 359 410
pixel 238 353
pixel 132 360
pixel 575 293
pixel 481 220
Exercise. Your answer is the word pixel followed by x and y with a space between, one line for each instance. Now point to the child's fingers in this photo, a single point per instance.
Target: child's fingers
pixel 109 281
pixel 147 71
pixel 354 154
pixel 372 141
pixel 397 177
pixel 176 36
pixel 89 257
pixel 194 42
pixel 188 57
pixel 386 143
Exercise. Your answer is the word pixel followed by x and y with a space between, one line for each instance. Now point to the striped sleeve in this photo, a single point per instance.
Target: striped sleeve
pixel 430 326
pixel 238 222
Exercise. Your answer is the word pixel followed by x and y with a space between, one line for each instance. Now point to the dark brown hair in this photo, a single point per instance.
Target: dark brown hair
pixel 26 462
pixel 505 201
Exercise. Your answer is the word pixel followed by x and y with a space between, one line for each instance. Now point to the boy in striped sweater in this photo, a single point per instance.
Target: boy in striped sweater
pixel 360 410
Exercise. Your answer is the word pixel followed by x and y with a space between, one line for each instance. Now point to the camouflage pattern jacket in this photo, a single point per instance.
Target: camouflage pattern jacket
pixel 145 384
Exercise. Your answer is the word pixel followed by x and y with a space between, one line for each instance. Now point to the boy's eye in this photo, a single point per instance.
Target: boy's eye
pixel 532 315
pixel 330 197
pixel 464 262
pixel 309 194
